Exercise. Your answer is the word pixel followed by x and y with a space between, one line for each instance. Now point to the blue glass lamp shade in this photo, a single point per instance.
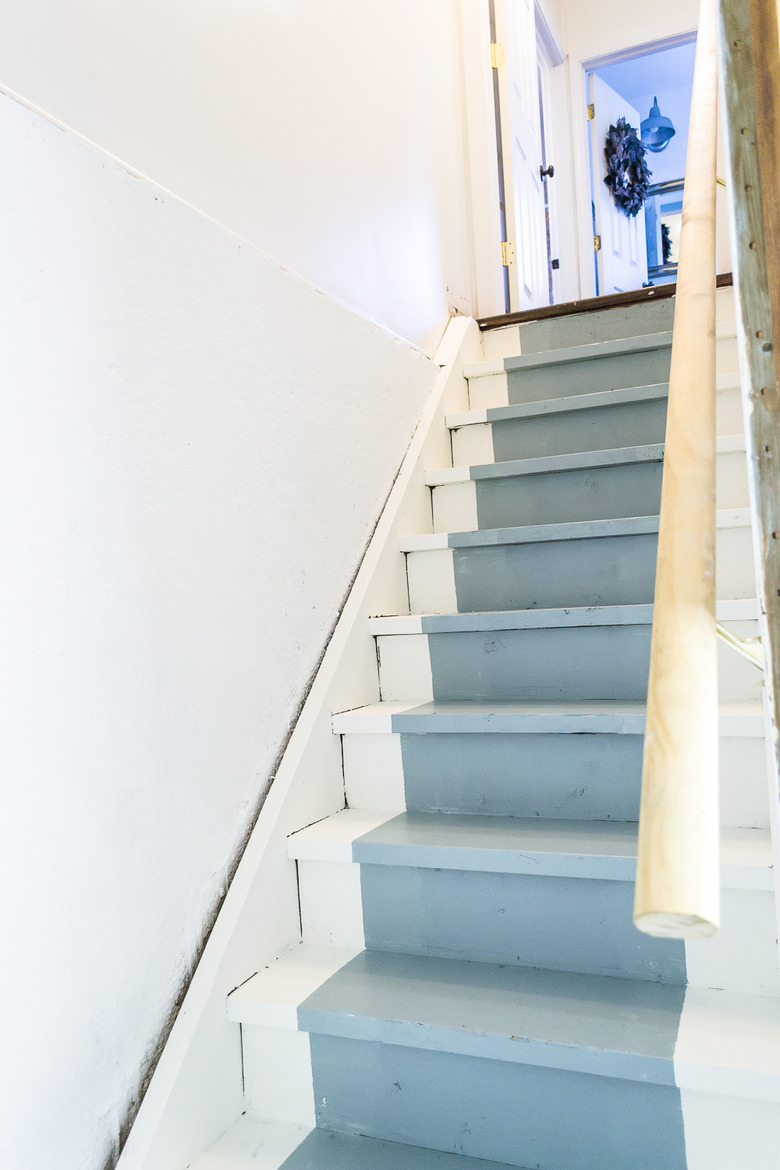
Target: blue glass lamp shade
pixel 657 131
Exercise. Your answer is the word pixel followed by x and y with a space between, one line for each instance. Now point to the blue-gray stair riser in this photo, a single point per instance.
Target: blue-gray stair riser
pixel 611 570
pixel 569 924
pixel 588 376
pixel 600 428
pixel 607 325
pixel 557 497
pixel 510 1113
pixel 327 1150
pixel 576 777
pixel 580 662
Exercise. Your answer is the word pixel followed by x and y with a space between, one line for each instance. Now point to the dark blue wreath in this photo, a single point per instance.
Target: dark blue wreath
pixel 628 176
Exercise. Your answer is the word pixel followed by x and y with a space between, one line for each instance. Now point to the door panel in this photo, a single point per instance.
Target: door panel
pixel 622 260
pixel 519 92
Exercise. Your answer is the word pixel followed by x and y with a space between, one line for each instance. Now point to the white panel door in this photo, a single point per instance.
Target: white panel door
pixel 522 145
pixel 622 260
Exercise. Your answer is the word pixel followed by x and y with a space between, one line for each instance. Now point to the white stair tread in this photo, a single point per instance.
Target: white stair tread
pixel 742 609
pixel 577 461
pixel 603 715
pixel 518 845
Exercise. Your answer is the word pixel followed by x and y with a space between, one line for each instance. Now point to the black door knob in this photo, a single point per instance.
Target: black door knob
pixel 548 173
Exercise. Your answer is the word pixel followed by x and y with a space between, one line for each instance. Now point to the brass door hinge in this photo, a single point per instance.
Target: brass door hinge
pixel 591 112
pixel 497 55
pixel 507 253
pixel 597 243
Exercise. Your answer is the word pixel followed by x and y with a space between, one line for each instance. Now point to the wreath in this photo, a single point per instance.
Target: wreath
pixel 628 176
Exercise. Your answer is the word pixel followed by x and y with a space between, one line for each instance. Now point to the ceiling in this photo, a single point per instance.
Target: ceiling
pixel 664 70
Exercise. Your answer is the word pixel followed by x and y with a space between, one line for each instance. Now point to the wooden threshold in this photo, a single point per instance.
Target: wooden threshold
pixel 636 296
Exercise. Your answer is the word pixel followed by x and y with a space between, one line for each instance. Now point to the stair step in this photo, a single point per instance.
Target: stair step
pixel 617 418
pixel 532 534
pixel 576 461
pixel 586 661
pixel 255 1144
pixel 577 369
pixel 576 485
pixel 252 1143
pixel 613 717
pixel 513 845
pixel 573 354
pixel 588 562
pixel 591 485
pixel 582 653
pixel 329 1150
pixel 556 406
pixel 744 609
pixel 597 1024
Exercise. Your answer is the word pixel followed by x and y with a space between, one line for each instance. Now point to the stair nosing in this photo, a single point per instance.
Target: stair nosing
pixel 544 533
pixel 539 846
pixel 547 464
pixel 603 716
pixel 564 405
pixel 559 617
pixel 590 351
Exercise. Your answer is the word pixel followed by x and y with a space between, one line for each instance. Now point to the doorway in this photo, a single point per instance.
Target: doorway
pixel 526 151
pixel 650 85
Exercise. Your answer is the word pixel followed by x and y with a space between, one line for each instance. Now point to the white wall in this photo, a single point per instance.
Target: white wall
pixel 195 445
pixel 328 134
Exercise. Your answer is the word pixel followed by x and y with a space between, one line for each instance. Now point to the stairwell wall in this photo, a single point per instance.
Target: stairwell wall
pixel 330 135
pixel 195 447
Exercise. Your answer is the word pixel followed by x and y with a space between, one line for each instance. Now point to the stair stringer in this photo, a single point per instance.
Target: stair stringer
pixel 196 1091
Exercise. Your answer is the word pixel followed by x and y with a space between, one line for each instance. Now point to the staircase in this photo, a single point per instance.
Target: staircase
pixel 470 991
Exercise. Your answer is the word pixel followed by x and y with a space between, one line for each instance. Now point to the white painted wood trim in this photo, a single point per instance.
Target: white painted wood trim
pixel 331 839
pixel 427 542
pixel 483 369
pixel 270 999
pixel 195 1076
pixel 466 418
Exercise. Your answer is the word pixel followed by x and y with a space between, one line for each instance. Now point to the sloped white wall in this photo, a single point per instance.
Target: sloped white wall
pixel 328 134
pixel 194 447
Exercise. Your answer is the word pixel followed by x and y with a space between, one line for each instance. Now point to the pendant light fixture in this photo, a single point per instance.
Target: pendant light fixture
pixel 657 131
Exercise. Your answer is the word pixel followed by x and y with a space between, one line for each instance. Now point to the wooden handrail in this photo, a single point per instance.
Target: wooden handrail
pixel 677 886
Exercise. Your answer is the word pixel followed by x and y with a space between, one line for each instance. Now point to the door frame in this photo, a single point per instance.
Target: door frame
pixel 578 89
pixel 480 149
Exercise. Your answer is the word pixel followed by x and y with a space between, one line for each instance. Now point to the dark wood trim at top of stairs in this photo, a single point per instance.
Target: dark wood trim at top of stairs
pixel 614 301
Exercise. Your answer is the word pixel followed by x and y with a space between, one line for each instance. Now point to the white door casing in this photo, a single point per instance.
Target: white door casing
pixel 522 148
pixel 622 258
